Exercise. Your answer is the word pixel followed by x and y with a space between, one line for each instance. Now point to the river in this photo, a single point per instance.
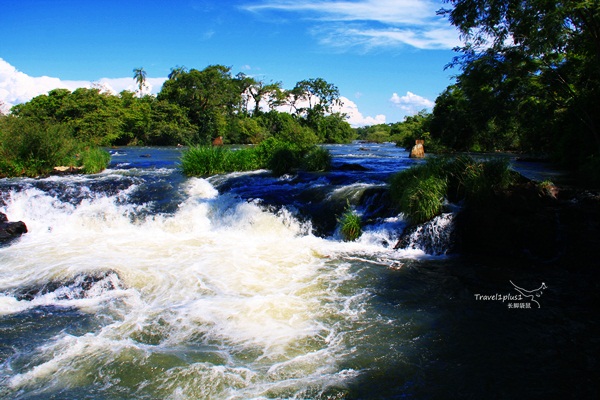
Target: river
pixel 141 283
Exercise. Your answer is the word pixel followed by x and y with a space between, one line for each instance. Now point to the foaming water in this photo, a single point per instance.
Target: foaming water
pixel 221 298
pixel 140 283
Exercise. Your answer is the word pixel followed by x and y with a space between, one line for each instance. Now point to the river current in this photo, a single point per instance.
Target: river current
pixel 141 283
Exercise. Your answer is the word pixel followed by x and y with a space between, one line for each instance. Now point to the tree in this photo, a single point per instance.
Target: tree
pixel 140 78
pixel 534 65
pixel 320 94
pixel 210 96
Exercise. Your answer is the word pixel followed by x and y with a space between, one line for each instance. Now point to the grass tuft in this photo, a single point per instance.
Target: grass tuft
pixel 350 225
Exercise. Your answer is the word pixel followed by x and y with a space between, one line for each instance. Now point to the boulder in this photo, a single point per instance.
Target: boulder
pixel 10 230
pixel 418 151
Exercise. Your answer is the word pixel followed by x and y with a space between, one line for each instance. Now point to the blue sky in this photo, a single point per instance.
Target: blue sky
pixel 387 57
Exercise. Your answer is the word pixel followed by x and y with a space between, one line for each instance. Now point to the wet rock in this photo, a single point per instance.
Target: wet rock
pixel 77 287
pixel 418 151
pixel 10 230
pixel 351 167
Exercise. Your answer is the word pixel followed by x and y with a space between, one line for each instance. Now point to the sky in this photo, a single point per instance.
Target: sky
pixel 386 57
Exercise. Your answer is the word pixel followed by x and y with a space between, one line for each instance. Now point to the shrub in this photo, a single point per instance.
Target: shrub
pixel 317 159
pixel 29 147
pixel 203 161
pixel 350 225
pixel 241 160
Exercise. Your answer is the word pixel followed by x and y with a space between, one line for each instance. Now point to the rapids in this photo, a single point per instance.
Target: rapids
pixel 140 283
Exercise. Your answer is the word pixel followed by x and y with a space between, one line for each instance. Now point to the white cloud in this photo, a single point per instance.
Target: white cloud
pixel 372 23
pixel 411 103
pixel 354 117
pixel 17 87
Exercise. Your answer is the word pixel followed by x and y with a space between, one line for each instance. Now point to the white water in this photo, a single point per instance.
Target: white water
pixel 220 299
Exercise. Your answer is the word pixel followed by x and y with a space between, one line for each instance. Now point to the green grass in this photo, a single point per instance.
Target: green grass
pixel 94 160
pixel 350 225
pixel 419 192
pixel 423 198
pixel 278 156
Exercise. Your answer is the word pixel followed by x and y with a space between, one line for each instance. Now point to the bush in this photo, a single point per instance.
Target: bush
pixel 203 161
pixel 29 147
pixel 278 156
pixel 317 159
pixel 350 225
pixel 241 160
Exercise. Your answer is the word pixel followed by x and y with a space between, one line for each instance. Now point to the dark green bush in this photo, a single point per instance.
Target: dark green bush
pixel 31 147
pixel 317 159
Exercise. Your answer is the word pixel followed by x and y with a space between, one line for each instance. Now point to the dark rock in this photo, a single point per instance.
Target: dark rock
pixel 540 225
pixel 73 288
pixel 10 230
pixel 352 167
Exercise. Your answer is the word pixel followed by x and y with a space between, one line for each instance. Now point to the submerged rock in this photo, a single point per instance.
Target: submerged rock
pixel 78 287
pixel 10 230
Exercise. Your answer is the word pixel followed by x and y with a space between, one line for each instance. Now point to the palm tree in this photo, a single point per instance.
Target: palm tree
pixel 140 77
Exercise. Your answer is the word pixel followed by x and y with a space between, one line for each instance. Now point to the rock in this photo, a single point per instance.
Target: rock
pixel 10 230
pixel 352 167
pixel 67 170
pixel 418 151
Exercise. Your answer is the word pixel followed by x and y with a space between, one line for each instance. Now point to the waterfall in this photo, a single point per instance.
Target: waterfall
pixel 435 237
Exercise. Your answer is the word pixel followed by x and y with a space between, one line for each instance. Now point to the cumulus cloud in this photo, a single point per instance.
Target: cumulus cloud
pixel 371 24
pixel 17 87
pixel 411 103
pixel 354 117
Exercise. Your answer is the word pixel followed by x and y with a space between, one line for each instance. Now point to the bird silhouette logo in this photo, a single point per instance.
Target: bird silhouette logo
pixel 531 294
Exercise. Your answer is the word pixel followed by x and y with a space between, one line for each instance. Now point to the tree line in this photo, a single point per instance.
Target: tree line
pixel 192 108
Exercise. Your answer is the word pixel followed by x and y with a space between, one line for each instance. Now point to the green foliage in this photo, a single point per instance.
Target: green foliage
pixel 209 96
pixel 94 160
pixel 203 161
pixel 33 147
pixel 423 199
pixel 529 80
pixel 278 156
pixel 419 192
pixel 194 107
pixel 334 128
pixel 350 225
pixel 317 159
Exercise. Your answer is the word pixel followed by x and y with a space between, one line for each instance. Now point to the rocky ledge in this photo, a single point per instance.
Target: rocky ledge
pixel 10 230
